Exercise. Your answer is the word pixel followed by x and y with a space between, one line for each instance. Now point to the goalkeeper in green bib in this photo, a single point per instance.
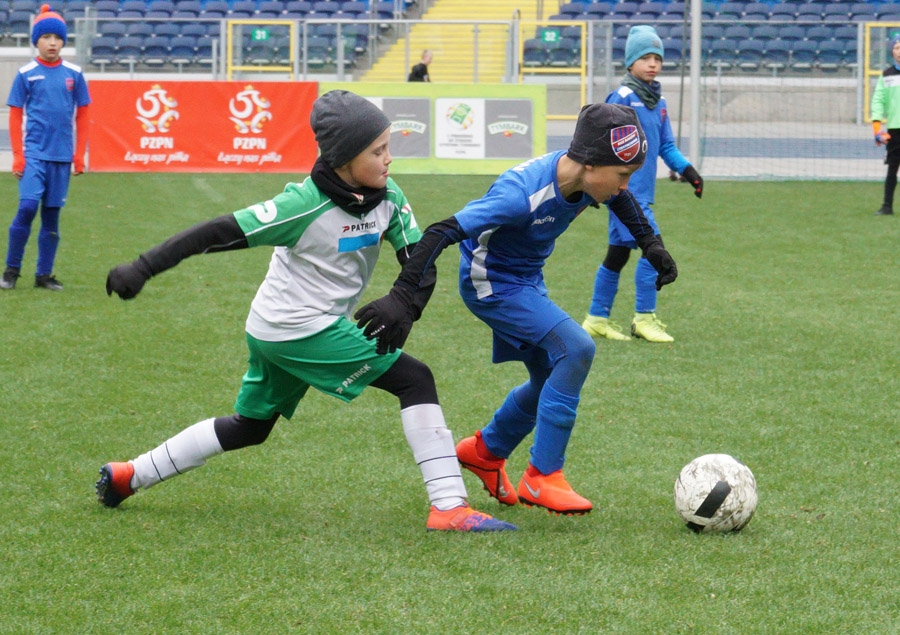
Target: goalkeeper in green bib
pixel 326 233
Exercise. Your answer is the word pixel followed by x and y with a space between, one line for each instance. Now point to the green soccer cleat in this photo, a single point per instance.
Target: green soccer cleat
pixel 603 327
pixel 648 327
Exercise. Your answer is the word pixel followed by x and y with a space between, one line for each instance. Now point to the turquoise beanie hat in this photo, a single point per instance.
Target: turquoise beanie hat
pixel 642 39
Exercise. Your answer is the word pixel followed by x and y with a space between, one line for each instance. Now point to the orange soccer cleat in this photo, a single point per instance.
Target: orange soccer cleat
pixel 114 485
pixel 464 518
pixel 492 472
pixel 552 492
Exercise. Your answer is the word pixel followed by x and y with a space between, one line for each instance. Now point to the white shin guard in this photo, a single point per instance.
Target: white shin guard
pixel 186 450
pixel 434 451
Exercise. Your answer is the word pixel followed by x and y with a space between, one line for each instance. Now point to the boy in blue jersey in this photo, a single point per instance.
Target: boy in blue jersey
pixel 505 238
pixel 326 233
pixel 48 90
pixel 641 91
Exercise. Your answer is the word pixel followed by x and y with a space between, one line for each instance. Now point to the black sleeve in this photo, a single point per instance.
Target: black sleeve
pixel 420 265
pixel 426 287
pixel 219 234
pixel 629 211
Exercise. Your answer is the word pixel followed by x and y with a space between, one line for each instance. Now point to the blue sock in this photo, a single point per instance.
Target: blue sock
pixel 19 231
pixel 555 420
pixel 48 240
pixel 606 285
pixel 645 287
pixel 510 424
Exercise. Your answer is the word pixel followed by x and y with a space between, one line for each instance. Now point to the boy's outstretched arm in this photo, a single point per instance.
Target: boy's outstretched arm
pixel 627 210
pixel 219 234
pixel 390 318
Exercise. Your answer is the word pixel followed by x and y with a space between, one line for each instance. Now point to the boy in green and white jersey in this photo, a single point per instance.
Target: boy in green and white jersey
pixel 326 233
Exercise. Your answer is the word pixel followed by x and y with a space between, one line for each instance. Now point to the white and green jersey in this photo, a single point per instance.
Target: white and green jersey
pixel 323 258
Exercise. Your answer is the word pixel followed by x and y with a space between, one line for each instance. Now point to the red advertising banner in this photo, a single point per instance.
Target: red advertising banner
pixel 178 126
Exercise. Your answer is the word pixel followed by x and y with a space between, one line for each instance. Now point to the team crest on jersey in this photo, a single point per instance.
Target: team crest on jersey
pixel 70 84
pixel 625 142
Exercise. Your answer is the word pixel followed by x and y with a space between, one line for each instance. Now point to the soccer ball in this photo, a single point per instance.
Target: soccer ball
pixel 715 493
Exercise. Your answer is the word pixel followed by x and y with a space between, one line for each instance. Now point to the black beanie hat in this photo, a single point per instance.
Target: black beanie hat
pixel 608 134
pixel 345 124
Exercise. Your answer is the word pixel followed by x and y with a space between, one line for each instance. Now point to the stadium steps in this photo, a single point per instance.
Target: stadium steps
pixel 454 45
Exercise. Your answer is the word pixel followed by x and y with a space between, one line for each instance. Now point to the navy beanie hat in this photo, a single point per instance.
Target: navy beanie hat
pixel 642 39
pixel 48 21
pixel 608 134
pixel 345 124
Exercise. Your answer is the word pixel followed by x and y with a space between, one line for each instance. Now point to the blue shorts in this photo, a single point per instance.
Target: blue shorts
pixel 520 316
pixel 619 234
pixel 45 181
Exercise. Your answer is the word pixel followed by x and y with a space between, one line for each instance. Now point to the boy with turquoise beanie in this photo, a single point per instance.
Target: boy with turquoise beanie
pixel 640 90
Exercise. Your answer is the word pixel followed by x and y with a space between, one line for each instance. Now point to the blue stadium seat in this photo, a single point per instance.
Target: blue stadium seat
pixel 803 56
pixel 356 8
pixel 837 11
pixel 764 32
pixel 142 29
pixel 317 52
pixel 204 51
pixel 155 52
pixel 572 9
pixel 830 57
pixel 598 10
pixel 129 50
pixel 750 55
pixel 106 8
pixel 737 32
pixel 534 53
pixel 674 10
pixel 242 9
pixel 215 9
pixel 270 9
pixel 182 51
pixel 624 10
pixel 166 28
pixel 649 11
pixel 778 55
pixel 187 9
pixel 730 11
pixel 261 53
pixel 810 11
pixel 791 33
pixel 103 52
pixel 863 12
pixel 783 12
pixel 297 8
pixel 326 8
pixel 112 28
pixel 136 6
pixel 195 29
pixel 672 48
pixel 160 8
pixel 819 32
pixel 564 52
pixel 722 54
pixel 756 11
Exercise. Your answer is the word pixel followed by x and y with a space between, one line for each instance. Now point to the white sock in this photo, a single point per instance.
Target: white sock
pixel 186 450
pixel 432 446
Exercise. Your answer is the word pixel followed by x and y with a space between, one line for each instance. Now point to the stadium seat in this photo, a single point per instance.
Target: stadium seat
pixel 136 6
pixel 863 12
pixel 195 29
pixel 810 12
pixel 649 11
pixel 317 51
pixel 31 6
pixel 737 32
pixel 778 55
pixel 534 53
pixel 624 10
pixel 750 55
pixel 673 58
pixel 215 9
pixel 674 10
pixel 819 32
pixel 791 33
pixel 270 9
pixel 562 52
pixel 160 8
pixel 112 28
pixel 187 9
pixel 104 8
pixel 783 12
pixel 730 11
pixel 242 9
pixel 722 54
pixel 708 10
pixel 599 10
pixel 572 9
pixel 103 52
pixel 260 52
pixel 837 11
pixel 803 56
pixel 129 51
pixel 182 51
pixel 326 8
pixel 166 29
pixel 356 8
pixel 764 32
pixel 155 51
pixel 830 57
pixel 143 29
pixel 77 8
pixel 204 51
pixel 754 11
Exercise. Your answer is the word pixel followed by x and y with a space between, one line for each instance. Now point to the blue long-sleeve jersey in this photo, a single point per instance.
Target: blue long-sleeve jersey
pixel 660 143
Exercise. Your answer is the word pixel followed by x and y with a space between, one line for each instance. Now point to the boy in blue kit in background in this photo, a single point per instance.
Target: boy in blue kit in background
pixel 641 91
pixel 48 90
pixel 327 234
pixel 504 239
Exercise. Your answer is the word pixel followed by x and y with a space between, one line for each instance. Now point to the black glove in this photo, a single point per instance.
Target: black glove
pixel 653 251
pixel 389 319
pixel 693 177
pixel 128 280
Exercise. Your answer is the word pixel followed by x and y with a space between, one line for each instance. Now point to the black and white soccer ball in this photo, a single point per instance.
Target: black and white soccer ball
pixel 715 493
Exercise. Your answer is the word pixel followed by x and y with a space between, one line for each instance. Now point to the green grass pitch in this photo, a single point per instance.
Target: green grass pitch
pixel 786 356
